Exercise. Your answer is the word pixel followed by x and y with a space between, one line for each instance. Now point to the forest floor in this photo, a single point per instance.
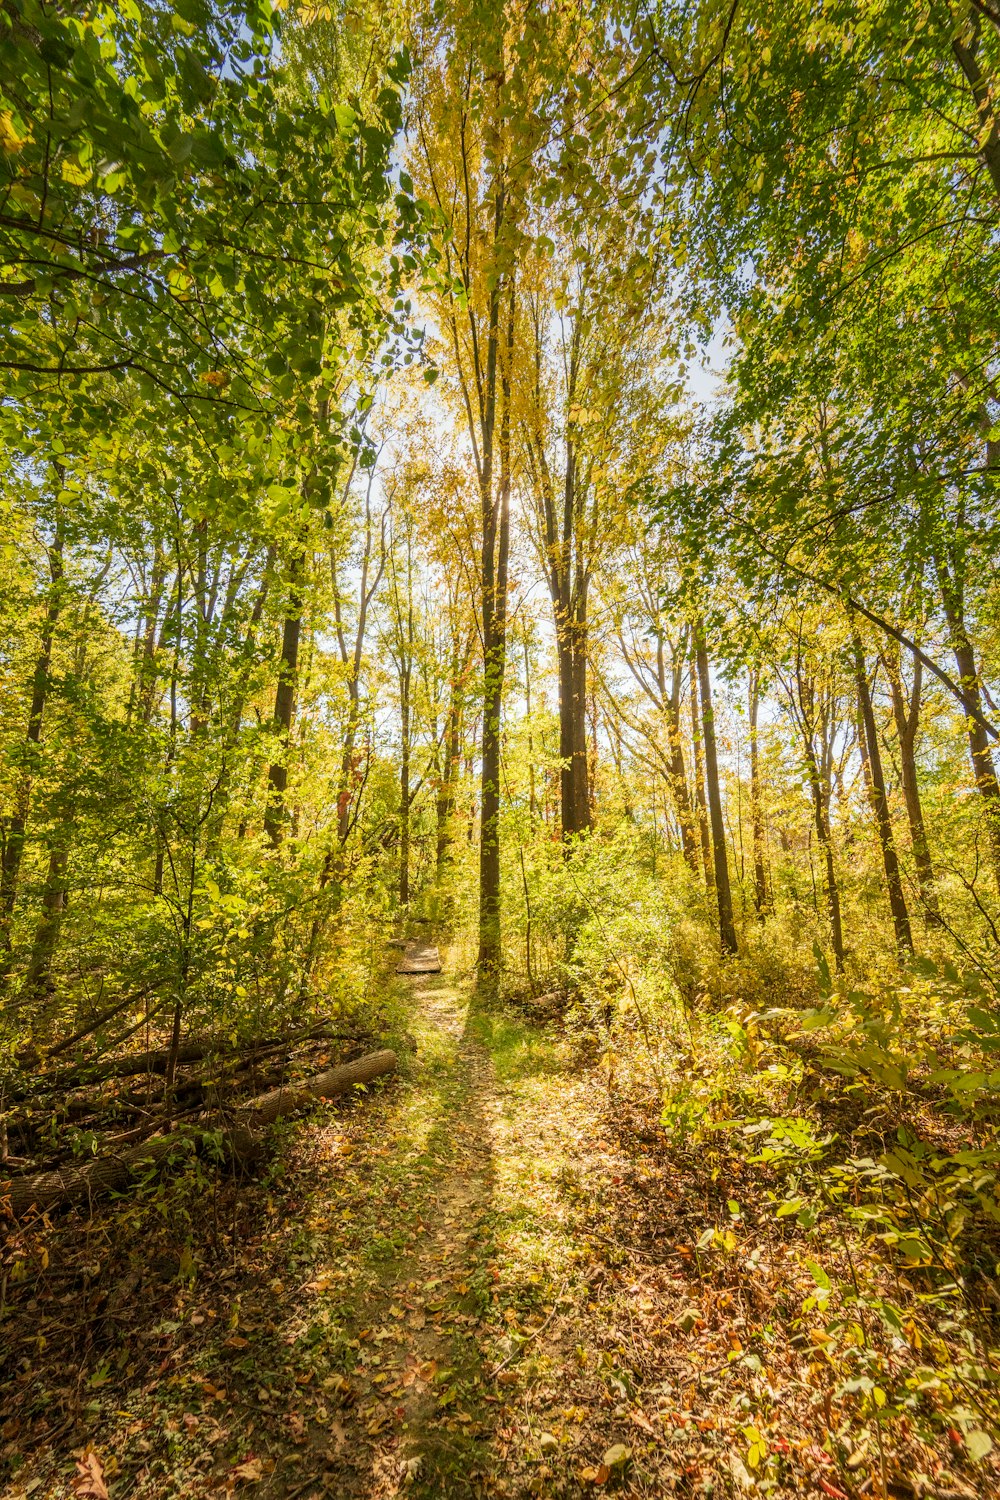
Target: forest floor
pixel 480 1279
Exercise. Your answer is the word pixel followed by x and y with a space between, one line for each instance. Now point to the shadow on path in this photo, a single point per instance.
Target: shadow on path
pixel 416 1412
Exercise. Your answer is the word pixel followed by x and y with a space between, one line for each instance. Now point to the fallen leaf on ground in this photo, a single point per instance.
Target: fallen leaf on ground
pixel 89 1482
pixel 250 1469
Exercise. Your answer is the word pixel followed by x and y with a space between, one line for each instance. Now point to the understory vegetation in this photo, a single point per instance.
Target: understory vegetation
pixel 504 496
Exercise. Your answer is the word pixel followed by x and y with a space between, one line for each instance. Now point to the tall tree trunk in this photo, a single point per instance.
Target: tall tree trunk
pixel 826 844
pixel 822 824
pixel 532 796
pixel 567 736
pixel 574 777
pixel 352 659
pixel 907 717
pixel 404 788
pixel 495 560
pixel 565 564
pixel 16 831
pixel 670 699
pixel 284 701
pixel 700 804
pixel 582 789
pixel 220 806
pixel 762 900
pixel 445 805
pixel 983 770
pixel 880 802
pixel 679 786
pixel 727 929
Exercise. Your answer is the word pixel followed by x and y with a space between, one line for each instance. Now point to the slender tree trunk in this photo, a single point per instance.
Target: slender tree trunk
pixel 907 718
pixel 352 659
pixel 565 565
pixel 532 798
pixel 677 773
pixel 727 929
pixel 143 689
pixel 284 701
pixel 701 806
pixel 13 850
pixel 822 824
pixel 404 788
pixel 197 683
pixel 581 789
pixel 574 776
pixel 235 715
pixel 446 790
pixel 880 802
pixel 679 787
pixel 762 900
pixel 983 770
pixel 495 560
pixel 567 726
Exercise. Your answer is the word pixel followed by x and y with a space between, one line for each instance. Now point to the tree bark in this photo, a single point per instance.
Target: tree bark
pixel 907 715
pixel 143 690
pixel 495 560
pixel 700 804
pixel 284 701
pixel 445 802
pixel 821 821
pixel 880 802
pixel 983 770
pixel 38 980
pixel 762 900
pixel 727 929
pixel 240 1141
pixel 404 787
pixel 16 832
pixel 966 50
pixel 566 569
pixel 352 657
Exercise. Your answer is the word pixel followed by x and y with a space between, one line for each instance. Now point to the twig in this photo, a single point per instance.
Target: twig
pixel 534 1334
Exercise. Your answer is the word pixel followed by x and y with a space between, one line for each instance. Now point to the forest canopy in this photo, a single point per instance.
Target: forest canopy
pixel 527 472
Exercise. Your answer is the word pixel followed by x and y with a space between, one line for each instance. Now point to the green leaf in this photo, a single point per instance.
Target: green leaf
pixel 346 118
pixel 979 1444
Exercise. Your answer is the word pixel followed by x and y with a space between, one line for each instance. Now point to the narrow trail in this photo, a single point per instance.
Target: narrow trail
pixel 482 1278
pixel 413 1395
pixel 444 1273
pixel 471 1364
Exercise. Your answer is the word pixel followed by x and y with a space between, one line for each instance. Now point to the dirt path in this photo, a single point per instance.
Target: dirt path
pixel 416 1411
pixel 494 1275
pixel 454 1284
pixel 351 1322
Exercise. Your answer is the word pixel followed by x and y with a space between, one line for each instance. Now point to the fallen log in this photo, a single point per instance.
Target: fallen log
pixel 108 1174
pixel 238 1134
pixel 87 1074
pixel 157 1060
pixel 283 1101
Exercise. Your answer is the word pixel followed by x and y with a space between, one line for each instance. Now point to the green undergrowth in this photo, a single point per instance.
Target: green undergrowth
pixel 864 1127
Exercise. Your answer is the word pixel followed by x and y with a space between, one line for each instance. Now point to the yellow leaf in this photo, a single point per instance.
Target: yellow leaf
pixel 74 173
pixel 11 140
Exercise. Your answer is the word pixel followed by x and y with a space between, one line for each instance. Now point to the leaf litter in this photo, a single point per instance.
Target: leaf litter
pixel 497 1276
